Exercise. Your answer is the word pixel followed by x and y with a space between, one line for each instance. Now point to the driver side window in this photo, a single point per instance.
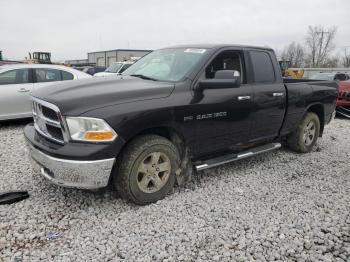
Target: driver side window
pixel 226 60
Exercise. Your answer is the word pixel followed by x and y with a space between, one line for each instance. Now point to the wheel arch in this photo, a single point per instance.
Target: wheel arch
pixel 168 132
pixel 318 109
pixel 184 173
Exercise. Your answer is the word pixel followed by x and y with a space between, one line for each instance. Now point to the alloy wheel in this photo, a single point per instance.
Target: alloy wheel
pixel 153 172
pixel 309 133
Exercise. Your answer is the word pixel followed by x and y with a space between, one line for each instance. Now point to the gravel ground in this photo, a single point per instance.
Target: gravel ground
pixel 276 206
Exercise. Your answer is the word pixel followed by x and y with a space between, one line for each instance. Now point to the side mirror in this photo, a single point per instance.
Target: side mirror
pixel 222 79
pixel 227 74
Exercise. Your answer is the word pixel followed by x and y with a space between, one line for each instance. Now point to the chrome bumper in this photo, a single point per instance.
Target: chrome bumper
pixel 72 173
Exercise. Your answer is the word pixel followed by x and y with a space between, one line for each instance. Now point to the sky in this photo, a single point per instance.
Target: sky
pixel 71 28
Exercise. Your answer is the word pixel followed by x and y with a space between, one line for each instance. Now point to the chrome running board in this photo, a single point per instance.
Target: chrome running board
pixel 234 157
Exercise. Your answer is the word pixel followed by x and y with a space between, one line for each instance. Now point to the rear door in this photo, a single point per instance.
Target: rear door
pixel 15 88
pixel 269 96
pixel 46 76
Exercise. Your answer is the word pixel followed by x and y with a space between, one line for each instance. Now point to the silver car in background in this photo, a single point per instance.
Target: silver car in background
pixel 115 69
pixel 17 81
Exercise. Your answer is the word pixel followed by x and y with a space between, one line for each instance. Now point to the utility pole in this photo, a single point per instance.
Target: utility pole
pixel 345 48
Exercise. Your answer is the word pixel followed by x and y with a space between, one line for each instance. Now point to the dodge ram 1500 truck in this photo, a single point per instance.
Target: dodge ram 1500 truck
pixel 175 111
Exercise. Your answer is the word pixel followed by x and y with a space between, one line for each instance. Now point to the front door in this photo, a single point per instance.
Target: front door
pixel 15 88
pixel 223 116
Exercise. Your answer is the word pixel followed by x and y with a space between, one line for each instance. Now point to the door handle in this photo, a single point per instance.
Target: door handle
pixel 277 94
pixel 241 98
pixel 23 90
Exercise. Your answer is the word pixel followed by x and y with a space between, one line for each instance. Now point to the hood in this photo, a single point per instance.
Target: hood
pixel 344 86
pixel 78 96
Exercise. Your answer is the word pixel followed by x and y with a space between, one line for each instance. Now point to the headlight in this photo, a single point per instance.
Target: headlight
pixel 90 129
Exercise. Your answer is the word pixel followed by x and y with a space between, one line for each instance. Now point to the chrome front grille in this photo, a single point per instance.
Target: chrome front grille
pixel 48 120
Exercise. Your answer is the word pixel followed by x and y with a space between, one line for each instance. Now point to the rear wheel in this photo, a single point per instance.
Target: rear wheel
pixel 146 170
pixel 304 138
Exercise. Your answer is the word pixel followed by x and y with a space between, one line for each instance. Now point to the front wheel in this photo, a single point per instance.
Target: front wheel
pixel 304 138
pixel 147 169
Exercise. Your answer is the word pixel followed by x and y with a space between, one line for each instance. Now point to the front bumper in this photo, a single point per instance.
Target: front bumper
pixel 72 173
pixel 79 165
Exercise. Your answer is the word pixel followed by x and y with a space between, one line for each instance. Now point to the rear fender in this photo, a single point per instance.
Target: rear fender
pixel 318 109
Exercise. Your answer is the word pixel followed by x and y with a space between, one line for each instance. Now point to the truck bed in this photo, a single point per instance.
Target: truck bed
pixel 304 93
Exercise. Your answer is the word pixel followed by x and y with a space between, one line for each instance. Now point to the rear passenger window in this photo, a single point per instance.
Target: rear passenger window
pixel 66 76
pixel 47 75
pixel 263 68
pixel 17 76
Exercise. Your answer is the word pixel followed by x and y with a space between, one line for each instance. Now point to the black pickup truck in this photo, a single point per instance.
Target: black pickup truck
pixel 175 111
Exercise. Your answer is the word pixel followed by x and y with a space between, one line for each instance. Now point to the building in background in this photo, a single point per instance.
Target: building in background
pixel 106 58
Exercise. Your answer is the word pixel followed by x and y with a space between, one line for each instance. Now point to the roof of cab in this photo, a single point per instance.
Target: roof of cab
pixel 219 46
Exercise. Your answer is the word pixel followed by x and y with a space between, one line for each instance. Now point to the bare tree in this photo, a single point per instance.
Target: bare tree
pixel 294 53
pixel 320 43
pixel 345 60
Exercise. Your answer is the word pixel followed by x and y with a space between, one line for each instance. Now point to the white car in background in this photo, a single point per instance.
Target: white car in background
pixel 17 81
pixel 115 69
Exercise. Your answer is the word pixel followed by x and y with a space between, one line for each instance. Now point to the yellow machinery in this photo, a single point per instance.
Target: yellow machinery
pixel 39 58
pixel 296 74
pixel 290 73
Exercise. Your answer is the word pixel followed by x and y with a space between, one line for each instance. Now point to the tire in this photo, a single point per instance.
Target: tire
pixel 301 143
pixel 146 170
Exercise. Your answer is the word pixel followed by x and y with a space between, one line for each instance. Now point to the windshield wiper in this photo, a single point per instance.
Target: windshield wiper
pixel 144 77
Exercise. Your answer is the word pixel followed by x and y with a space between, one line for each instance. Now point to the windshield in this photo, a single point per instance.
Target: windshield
pixel 114 68
pixel 166 64
pixel 323 77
